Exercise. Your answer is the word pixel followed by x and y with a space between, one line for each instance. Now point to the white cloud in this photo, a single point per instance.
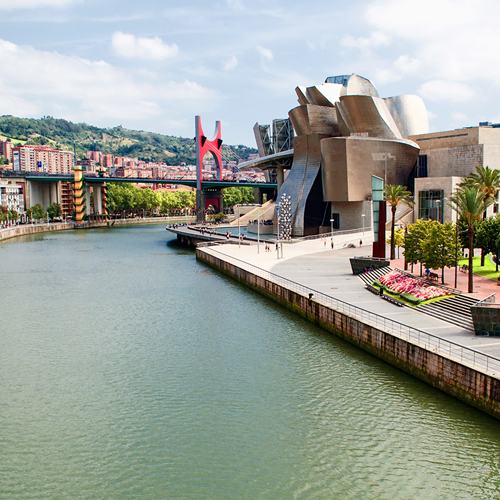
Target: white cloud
pixel 231 63
pixel 442 90
pixel 453 39
pixel 459 117
pixel 94 89
pixel 376 39
pixel 131 46
pixel 30 4
pixel 265 53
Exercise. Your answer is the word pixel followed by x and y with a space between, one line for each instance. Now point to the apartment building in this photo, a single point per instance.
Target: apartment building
pixel 42 159
pixel 12 196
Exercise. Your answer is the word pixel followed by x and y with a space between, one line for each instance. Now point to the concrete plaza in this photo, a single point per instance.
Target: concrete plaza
pixel 314 264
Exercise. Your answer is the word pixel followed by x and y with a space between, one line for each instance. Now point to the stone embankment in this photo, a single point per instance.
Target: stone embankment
pixel 26 229
pixel 460 372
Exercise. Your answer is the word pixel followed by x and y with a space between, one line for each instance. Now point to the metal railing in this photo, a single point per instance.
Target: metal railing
pixel 330 234
pixel 482 362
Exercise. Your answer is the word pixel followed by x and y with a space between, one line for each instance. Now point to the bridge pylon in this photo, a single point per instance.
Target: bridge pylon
pixel 79 194
pixel 205 198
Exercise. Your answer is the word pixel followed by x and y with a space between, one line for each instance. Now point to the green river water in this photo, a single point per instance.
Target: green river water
pixel 130 371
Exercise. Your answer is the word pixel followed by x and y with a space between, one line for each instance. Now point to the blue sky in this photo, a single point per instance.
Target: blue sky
pixel 153 65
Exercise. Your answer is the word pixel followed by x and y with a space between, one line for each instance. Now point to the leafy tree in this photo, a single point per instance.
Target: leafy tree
pixel 470 203
pixel 169 201
pixel 394 196
pixel 438 248
pixel 147 199
pixel 36 212
pixel 488 182
pixel 488 236
pixel 417 233
pixel 54 210
pixel 236 195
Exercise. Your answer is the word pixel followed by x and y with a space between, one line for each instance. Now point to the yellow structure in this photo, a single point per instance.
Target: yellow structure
pixel 79 194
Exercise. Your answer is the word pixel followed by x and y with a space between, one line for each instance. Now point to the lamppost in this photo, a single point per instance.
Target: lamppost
pixel 457 232
pixel 363 219
pixel 258 229
pixel 239 229
pixel 278 242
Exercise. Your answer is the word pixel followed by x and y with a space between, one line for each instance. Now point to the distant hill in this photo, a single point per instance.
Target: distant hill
pixel 119 141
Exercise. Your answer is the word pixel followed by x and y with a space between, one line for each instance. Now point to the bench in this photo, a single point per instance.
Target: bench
pixel 392 300
pixel 433 277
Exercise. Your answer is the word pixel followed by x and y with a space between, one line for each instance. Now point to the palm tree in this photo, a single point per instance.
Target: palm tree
pixel 470 203
pixel 488 182
pixel 395 195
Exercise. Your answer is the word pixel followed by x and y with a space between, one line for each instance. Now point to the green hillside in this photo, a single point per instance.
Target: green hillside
pixel 119 141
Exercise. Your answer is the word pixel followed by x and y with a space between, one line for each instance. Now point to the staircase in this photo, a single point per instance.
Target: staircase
pixel 266 211
pixel 370 277
pixel 454 310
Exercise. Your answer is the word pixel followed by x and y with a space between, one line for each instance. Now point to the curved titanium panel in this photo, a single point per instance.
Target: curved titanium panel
pixel 324 95
pixel 310 119
pixel 300 180
pixel 409 113
pixel 301 95
pixel 349 162
pixel 357 85
pixel 368 115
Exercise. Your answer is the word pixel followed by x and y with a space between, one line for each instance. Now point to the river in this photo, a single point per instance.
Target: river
pixel 128 370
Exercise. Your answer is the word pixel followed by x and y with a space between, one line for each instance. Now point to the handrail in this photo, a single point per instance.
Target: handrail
pixel 486 302
pixel 478 360
pixel 329 235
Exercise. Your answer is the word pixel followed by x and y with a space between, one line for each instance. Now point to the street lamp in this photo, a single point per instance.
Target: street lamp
pixel 258 229
pixel 278 206
pixel 239 229
pixel 363 219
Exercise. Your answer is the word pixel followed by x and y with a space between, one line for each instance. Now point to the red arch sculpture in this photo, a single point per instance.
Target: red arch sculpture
pixel 203 145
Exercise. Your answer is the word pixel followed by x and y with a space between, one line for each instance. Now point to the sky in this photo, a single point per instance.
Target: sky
pixel 154 65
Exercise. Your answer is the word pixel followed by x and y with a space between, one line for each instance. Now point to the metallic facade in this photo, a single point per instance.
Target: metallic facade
pixel 345 134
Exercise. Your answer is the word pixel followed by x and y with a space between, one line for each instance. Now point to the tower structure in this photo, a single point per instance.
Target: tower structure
pixel 207 197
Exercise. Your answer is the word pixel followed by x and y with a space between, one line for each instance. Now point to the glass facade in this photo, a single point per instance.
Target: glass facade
pixel 430 205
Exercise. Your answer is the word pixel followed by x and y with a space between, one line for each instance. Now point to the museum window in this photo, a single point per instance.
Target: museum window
pixel 430 205
pixel 422 166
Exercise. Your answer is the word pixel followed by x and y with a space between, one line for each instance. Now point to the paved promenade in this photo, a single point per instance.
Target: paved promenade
pixel 315 265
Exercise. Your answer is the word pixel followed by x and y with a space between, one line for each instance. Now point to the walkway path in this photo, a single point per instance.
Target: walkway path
pixel 320 268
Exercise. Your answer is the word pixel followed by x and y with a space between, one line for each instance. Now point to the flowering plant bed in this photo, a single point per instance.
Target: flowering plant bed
pixel 411 289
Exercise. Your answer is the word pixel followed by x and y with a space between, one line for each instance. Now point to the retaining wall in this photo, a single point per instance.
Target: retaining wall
pixel 461 381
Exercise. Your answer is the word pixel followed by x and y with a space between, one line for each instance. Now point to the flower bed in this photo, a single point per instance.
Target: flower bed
pixel 411 289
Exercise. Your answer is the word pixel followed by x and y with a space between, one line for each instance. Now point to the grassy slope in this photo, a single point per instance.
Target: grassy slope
pixel 118 141
pixel 488 271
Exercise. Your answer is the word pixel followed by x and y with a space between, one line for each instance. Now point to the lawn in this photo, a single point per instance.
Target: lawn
pixel 15 141
pixel 488 271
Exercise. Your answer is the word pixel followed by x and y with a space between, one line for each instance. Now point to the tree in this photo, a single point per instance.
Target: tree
pixel 488 236
pixel 417 233
pixel 438 248
pixel 470 203
pixel 36 212
pixel 54 210
pixel 488 182
pixel 237 195
pixel 394 196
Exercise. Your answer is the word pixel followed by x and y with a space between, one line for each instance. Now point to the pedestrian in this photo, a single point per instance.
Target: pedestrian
pixel 360 243
pixel 324 244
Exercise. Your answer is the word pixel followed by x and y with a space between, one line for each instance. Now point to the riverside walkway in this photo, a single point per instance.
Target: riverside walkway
pixel 313 264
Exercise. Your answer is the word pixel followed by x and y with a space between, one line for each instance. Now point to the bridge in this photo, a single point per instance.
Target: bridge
pixel 46 189
pixel 206 184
